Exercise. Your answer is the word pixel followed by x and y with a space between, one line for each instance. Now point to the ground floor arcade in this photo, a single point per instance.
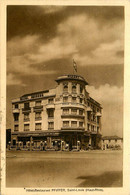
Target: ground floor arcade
pixel 71 140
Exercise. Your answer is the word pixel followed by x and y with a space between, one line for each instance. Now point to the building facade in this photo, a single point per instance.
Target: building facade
pixel 112 142
pixel 62 118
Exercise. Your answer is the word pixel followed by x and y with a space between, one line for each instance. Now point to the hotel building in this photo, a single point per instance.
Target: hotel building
pixel 65 117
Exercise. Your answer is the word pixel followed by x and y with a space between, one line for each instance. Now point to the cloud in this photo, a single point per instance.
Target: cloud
pixel 11 80
pixel 79 37
pixel 19 51
pixel 111 99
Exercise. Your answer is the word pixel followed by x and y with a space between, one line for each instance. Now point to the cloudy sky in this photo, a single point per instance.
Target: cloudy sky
pixel 43 40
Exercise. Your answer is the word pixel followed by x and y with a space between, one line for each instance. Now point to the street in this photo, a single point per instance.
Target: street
pixel 64 169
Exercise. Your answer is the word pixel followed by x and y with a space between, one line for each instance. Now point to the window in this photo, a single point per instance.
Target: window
pixel 26 105
pixel 92 127
pixel 65 123
pixel 73 89
pixel 80 112
pixel 66 111
pixel 89 115
pixel 81 100
pixel 73 123
pixel 37 115
pixel 26 127
pixel 50 113
pixel 16 106
pixel 81 89
pixel 74 99
pixel 16 127
pixel 88 127
pixel 50 125
pixel 38 126
pixel 16 116
pixel 50 101
pixel 65 99
pixel 65 89
pixel 98 119
pixel 38 103
pixel 80 124
pixel 74 111
pixel 26 116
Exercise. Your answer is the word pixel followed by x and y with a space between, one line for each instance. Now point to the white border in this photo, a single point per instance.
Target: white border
pixel 126 132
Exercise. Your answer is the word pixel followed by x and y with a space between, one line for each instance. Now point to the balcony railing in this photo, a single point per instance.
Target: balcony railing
pixel 36 108
pixel 26 130
pixel 15 110
pixel 26 109
pixel 72 128
pixel 72 116
pixel 38 118
pixel 49 106
pixel 50 128
pixel 26 119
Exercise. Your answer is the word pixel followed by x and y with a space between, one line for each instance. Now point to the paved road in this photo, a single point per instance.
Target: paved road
pixel 64 169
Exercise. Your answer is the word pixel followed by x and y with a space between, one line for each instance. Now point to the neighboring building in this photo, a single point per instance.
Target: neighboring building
pixel 8 137
pixel 112 142
pixel 65 116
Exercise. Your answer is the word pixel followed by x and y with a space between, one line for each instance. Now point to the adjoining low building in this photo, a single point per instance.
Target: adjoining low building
pixel 59 118
pixel 112 142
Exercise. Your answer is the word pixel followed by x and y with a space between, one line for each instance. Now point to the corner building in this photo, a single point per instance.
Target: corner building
pixel 59 118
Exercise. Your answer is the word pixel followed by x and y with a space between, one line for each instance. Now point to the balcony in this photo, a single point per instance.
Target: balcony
pixel 50 106
pixel 26 119
pixel 73 128
pixel 89 109
pixel 38 108
pixel 50 128
pixel 72 105
pixel 26 110
pixel 98 114
pixel 38 118
pixel 16 110
pixel 72 116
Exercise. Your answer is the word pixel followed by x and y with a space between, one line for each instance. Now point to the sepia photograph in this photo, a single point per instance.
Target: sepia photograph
pixel 64 120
